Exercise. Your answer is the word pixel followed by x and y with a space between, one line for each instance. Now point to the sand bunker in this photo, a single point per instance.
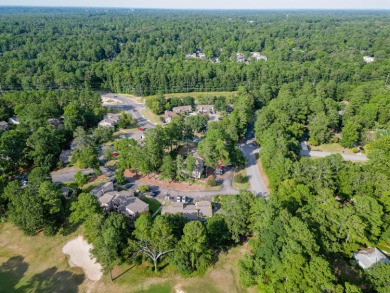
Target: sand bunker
pixel 79 251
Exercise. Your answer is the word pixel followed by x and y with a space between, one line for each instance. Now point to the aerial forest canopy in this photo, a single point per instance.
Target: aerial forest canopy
pixel 143 51
pixel 323 78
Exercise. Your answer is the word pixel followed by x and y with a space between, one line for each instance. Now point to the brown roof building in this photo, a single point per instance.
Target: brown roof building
pixel 182 109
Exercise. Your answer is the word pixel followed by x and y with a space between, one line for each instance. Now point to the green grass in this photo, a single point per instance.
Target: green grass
pixel 153 203
pixel 124 131
pixel 91 185
pixel 149 115
pixel 37 264
pixel 244 185
pixel 164 288
pixel 70 185
pixel 332 148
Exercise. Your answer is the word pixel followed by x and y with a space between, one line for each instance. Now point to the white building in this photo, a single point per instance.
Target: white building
pixel 240 57
pixel 370 256
pixel 257 56
pixel 368 59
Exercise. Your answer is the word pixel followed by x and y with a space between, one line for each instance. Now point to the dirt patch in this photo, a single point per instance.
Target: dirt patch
pixel 154 180
pixel 110 101
pixel 80 256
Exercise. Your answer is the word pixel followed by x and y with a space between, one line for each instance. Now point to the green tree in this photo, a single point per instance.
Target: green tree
pixel 192 252
pixel 236 209
pixel 81 139
pixel 190 165
pixel 318 127
pixel 44 147
pixel 102 134
pixel 154 239
pixel 53 210
pixel 379 154
pixel 125 121
pixel 26 211
pixel 217 231
pixel 37 176
pixel 80 179
pixel 87 158
pixel 72 115
pixel 168 168
pixel 350 134
pixel 112 241
pixel 179 168
pixel 379 275
pixel 83 208
pixel 13 151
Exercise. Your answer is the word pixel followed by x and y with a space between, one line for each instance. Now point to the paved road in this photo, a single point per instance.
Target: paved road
pixel 67 174
pixel 249 149
pixel 130 106
pixel 357 157
pixel 226 189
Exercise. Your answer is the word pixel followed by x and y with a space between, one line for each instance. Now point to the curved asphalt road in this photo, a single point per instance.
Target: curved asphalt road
pixel 249 150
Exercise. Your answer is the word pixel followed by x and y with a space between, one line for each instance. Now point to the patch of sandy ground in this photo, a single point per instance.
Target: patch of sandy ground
pixel 110 101
pixel 80 256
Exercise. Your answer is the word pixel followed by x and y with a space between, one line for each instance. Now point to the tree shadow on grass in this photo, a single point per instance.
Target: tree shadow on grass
pixel 68 228
pixel 52 281
pixel 11 272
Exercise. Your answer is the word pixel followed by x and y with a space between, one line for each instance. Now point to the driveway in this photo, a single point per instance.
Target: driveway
pixel 249 150
pixel 67 174
pixel 356 157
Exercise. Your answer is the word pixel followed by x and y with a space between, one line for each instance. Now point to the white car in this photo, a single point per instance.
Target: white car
pixel 178 199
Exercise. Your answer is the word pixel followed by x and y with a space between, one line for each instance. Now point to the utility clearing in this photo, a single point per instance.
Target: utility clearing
pixel 80 256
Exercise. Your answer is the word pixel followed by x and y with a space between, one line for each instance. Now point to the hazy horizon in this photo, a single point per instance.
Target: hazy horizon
pixel 207 5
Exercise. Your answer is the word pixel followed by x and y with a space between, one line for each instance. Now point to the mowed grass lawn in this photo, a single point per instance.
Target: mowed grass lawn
pixel 331 147
pixel 37 264
pixel 153 203
pixel 243 185
pixel 149 115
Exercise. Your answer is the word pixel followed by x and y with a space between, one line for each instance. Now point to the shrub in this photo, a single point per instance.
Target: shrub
pixel 211 181
pixel 355 150
pixel 143 188
pixel 334 139
pixel 240 178
pixel 119 178
pixel 80 179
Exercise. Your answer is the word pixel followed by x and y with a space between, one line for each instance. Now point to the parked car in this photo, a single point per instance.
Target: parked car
pixel 178 199
pixel 219 171
pixel 185 199
pixel 115 154
pixel 154 193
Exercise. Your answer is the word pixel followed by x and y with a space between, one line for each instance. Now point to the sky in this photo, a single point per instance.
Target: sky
pixel 211 4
